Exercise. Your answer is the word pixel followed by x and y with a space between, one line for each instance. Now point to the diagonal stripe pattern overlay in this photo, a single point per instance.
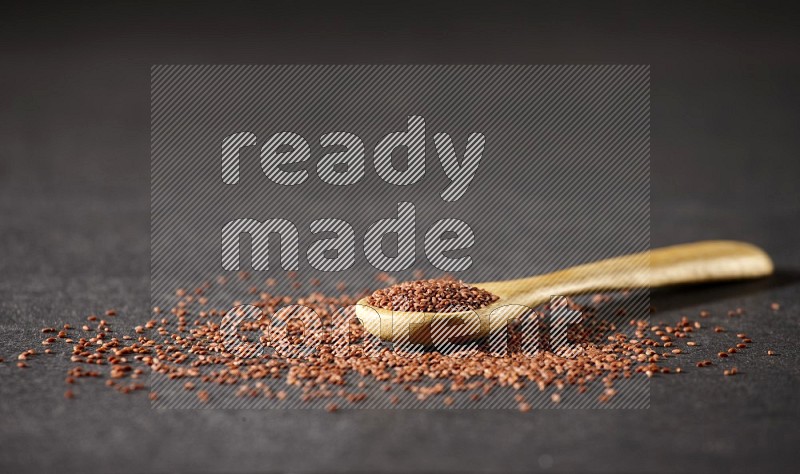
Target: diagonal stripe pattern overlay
pixel 532 168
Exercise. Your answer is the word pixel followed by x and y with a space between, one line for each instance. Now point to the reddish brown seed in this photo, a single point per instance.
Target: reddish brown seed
pixel 45 330
pixel 741 336
pixel 152 396
pixel 555 398
pixel 719 329
pixel 770 353
pixel 111 312
pixel 203 396
pixel 704 314
pixel 741 346
pixel 22 365
pixel 775 306
pixel 732 350
pixel 331 407
pixel 676 351
pixel 69 394
pixel 524 407
pixel 678 370
pixel 723 354
pixel 747 341
pixel 691 343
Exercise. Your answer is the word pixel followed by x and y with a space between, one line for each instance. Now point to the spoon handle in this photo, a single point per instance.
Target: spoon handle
pixel 699 262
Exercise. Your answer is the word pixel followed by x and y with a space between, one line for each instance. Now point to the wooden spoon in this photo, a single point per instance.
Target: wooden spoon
pixel 700 262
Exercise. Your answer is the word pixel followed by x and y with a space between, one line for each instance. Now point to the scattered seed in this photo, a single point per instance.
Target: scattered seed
pixel 171 345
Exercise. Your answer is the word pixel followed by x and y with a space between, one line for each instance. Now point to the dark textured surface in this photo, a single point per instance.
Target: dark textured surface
pixel 74 161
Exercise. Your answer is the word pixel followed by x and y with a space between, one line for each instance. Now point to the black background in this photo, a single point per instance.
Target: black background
pixel 74 221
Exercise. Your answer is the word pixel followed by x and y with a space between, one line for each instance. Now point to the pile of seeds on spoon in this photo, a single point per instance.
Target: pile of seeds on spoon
pixel 439 295
pixel 191 344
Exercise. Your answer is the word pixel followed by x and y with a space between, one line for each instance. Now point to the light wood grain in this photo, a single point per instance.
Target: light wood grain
pixel 699 262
